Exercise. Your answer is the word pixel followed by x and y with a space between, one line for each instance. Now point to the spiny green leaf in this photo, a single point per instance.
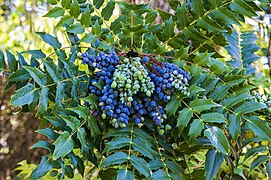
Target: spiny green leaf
pixel 141 165
pixel 252 151
pixel 25 95
pixel 21 61
pixel 194 89
pixel 43 168
pixel 85 18
pixel 81 135
pixel 59 94
pixel 43 144
pixel 77 163
pixel 93 126
pixel 233 100
pixel 173 105
pixel 124 174
pixel 234 127
pixel 240 172
pixel 168 30
pixel 242 7
pixel 116 158
pixel 143 147
pixel 2 60
pixel 56 121
pixel 182 16
pixel 81 111
pixel 53 70
pixel 213 118
pixel 199 105
pixel 76 29
pixel 222 13
pixel 249 107
pixel 43 101
pixel 160 174
pixel 97 29
pixel 150 17
pixel 197 8
pixel 66 3
pixel 55 12
pixel 12 62
pixel 65 20
pixel 156 164
pixel 214 3
pixel 218 139
pixel 71 122
pixel 117 143
pixel 195 129
pixel 213 163
pixel 75 9
pixel 210 25
pixel 63 145
pixel 19 75
pixel 108 10
pixel 53 2
pixel 49 39
pixel 259 127
pixel 184 117
pixel 89 38
pixel 202 58
pixel 268 169
pixel 98 3
pixel 259 160
pixel 51 134
pixel 38 76
pixel 164 14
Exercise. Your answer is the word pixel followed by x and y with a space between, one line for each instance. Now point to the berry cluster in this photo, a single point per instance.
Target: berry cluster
pixel 134 88
pixel 130 78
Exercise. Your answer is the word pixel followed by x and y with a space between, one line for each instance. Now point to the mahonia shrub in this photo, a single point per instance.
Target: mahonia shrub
pixel 131 98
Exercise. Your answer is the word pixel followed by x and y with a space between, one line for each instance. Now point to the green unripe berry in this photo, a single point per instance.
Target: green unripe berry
pixel 140 125
pixel 114 121
pixel 168 127
pixel 175 145
pixel 128 81
pixel 103 116
pixel 122 125
pixel 148 93
pixel 136 86
pixel 114 84
pixel 128 86
pixel 161 132
pixel 177 86
pixel 269 110
pixel 122 78
pixel 130 99
pixel 126 60
pixel 116 125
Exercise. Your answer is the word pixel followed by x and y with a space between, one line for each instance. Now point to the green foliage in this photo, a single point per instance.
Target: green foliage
pixel 220 118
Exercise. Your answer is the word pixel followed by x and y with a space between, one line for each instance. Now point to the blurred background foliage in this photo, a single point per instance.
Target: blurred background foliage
pixel 20 19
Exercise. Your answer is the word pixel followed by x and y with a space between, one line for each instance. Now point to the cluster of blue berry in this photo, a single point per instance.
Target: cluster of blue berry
pixel 134 88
